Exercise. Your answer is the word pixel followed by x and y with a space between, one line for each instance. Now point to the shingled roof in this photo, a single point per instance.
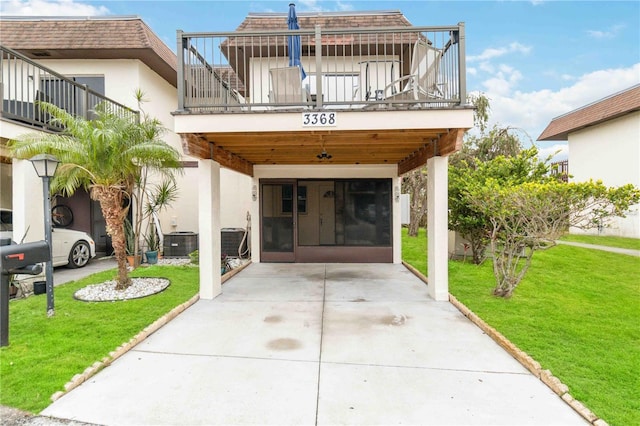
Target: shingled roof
pixel 331 20
pixel 611 107
pixel 125 37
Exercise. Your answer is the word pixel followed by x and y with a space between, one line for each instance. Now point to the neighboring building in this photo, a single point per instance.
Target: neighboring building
pixel 604 144
pixel 325 145
pixel 112 56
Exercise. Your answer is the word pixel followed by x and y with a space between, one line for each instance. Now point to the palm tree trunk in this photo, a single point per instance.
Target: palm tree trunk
pixel 110 199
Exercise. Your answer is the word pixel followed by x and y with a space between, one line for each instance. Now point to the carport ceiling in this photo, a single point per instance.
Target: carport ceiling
pixel 242 150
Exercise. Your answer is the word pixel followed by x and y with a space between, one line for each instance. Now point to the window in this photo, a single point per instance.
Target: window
pixel 287 199
pixel 302 199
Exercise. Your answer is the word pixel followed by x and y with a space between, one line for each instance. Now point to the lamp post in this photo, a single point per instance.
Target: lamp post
pixel 45 166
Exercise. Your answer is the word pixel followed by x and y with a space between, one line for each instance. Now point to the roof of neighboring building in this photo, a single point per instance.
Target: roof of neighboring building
pixel 308 20
pixel 118 37
pixel 611 107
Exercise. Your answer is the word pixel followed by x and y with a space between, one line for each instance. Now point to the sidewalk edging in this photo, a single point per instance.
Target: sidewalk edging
pixel 530 364
pixel 80 378
pixel 522 357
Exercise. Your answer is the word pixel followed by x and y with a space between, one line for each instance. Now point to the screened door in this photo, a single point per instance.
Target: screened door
pixel 277 229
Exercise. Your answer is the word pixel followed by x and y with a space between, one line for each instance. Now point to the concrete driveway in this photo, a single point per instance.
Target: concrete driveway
pixel 326 344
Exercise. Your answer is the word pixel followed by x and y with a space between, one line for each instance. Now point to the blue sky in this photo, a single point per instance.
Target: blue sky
pixel 535 60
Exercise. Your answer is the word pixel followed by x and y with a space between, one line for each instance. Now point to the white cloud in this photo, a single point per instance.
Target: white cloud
pixel 557 151
pixel 503 81
pixel 51 8
pixel 532 111
pixel 606 34
pixel 494 52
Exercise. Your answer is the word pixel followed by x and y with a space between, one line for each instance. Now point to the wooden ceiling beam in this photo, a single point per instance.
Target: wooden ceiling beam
pixel 198 146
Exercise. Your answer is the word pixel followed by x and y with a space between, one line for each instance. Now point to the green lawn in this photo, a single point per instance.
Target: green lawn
pixel 621 242
pixel 45 353
pixel 577 312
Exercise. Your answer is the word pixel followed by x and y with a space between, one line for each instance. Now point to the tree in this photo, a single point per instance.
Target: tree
pixel 415 184
pixel 530 216
pixel 104 155
pixel 464 216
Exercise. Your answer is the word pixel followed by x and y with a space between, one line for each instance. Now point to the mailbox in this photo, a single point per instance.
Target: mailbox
pixel 23 258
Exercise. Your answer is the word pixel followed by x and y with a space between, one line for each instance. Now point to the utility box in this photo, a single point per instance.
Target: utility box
pixel 230 240
pixel 180 244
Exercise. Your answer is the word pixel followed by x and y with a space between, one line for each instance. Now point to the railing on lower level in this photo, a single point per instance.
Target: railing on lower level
pixel 247 71
pixel 561 168
pixel 24 84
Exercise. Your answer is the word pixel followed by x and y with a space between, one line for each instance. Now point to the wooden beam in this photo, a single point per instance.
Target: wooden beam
pixel 417 159
pixel 231 161
pixel 451 142
pixel 195 145
pixel 198 146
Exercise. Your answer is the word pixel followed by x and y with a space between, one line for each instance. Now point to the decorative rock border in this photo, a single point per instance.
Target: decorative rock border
pixel 78 379
pixel 522 357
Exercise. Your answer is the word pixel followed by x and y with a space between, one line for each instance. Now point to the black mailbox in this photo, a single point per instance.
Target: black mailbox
pixel 23 258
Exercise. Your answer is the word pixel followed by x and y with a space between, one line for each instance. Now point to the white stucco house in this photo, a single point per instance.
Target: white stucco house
pixel 324 120
pixel 604 144
pixel 58 59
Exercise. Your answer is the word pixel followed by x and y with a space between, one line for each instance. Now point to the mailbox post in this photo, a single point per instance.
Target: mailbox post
pixel 18 259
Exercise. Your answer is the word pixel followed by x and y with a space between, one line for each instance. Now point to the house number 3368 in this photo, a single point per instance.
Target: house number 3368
pixel 319 119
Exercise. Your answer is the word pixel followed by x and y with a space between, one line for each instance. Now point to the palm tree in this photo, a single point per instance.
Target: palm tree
pixel 106 156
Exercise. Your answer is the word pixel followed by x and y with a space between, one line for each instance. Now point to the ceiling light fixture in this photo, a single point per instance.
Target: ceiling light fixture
pixel 324 156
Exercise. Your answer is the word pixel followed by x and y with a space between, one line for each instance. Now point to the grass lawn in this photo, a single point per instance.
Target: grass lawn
pixel 621 242
pixel 45 353
pixel 576 312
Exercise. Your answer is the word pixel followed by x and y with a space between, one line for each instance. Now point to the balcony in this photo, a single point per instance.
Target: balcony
pixel 362 96
pixel 364 68
pixel 25 83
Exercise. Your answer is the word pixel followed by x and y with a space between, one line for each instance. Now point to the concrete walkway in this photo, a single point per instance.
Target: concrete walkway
pixel 629 252
pixel 305 344
pixel 62 274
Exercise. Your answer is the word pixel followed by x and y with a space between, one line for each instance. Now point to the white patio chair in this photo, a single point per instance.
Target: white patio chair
pixel 422 83
pixel 286 86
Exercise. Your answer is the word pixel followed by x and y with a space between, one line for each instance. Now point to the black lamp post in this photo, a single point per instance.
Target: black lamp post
pixel 45 166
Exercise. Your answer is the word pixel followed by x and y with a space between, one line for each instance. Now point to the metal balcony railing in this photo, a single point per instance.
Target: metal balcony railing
pixel 25 83
pixel 365 68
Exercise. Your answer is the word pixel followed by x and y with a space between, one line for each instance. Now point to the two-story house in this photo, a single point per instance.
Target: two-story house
pixel 324 120
pixel 76 63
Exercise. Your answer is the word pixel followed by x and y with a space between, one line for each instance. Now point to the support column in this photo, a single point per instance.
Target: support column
pixel 209 228
pixel 27 202
pixel 396 190
pixel 255 220
pixel 437 224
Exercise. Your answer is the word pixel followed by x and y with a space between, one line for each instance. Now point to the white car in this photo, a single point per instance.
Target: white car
pixel 72 248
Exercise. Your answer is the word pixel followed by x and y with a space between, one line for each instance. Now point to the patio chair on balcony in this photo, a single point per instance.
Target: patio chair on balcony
pixel 286 86
pixel 422 83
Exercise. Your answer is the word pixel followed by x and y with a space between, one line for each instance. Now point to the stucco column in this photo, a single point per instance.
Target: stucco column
pixel 396 190
pixel 437 218
pixel 27 202
pixel 255 220
pixel 209 228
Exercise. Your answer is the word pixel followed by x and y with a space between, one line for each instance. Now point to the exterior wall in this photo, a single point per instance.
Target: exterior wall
pixel 122 78
pixel 609 152
pixel 325 172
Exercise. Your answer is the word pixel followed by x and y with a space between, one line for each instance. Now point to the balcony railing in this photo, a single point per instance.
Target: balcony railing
pixel 365 68
pixel 25 83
